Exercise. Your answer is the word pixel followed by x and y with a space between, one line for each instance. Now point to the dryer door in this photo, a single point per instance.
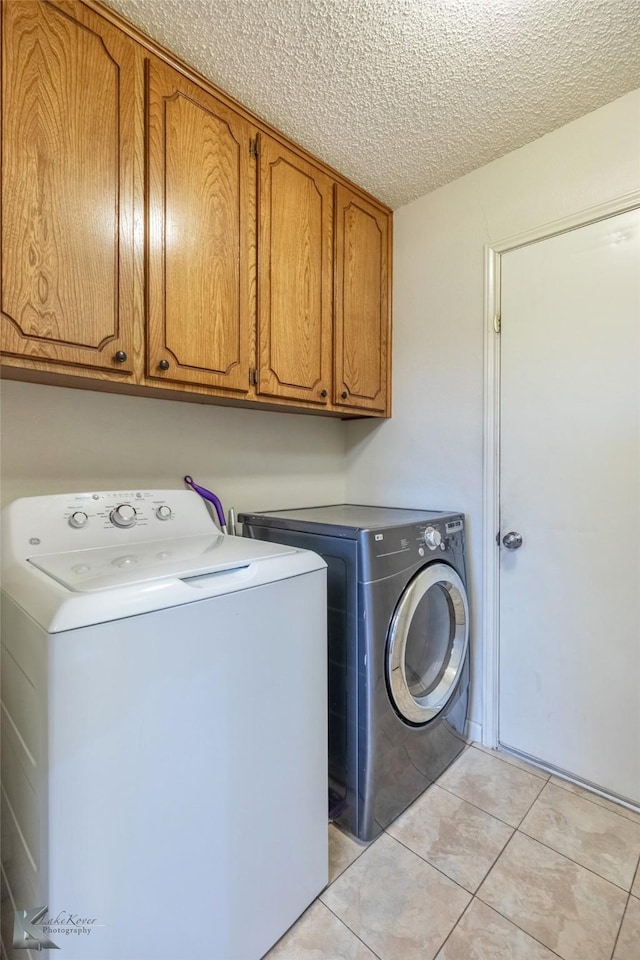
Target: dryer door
pixel 427 644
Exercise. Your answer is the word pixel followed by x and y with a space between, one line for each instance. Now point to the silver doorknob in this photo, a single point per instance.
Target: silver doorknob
pixel 512 540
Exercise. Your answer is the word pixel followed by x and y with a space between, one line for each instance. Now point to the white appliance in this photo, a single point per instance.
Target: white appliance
pixel 164 744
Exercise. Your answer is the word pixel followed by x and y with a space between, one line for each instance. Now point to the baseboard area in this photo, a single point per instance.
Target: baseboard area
pixel 473 731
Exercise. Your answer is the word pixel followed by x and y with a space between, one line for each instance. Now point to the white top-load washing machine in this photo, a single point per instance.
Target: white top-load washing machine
pixel 164 745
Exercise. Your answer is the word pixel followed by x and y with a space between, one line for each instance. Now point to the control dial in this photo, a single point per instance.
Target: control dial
pixel 432 538
pixel 124 515
pixel 163 512
pixel 78 519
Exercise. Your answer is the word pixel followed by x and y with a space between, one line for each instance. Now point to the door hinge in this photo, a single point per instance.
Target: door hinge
pixel 253 147
pixel 497 323
pixel 253 377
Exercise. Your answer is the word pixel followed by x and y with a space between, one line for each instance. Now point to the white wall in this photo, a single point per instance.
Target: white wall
pixel 430 453
pixel 57 440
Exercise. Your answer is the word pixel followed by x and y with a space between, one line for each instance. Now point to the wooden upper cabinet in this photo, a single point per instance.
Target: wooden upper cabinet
pixel 295 273
pixel 201 235
pixel 153 233
pixel 362 319
pixel 68 109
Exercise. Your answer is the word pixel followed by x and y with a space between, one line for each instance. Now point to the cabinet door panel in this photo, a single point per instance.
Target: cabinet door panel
pixel 295 276
pixel 68 105
pixel 362 304
pixel 200 248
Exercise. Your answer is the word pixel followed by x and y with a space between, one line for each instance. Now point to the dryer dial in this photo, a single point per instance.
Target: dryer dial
pixel 432 538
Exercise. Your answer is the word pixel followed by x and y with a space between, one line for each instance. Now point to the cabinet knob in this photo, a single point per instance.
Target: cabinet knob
pixel 164 364
pixel 323 394
pixel 120 357
pixel 344 394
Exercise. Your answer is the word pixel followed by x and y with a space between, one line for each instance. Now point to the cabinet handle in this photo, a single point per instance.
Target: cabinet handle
pixel 164 364
pixel 120 357
pixel 344 394
pixel 323 394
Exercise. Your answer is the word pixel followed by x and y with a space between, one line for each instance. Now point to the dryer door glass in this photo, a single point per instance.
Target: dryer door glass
pixel 428 642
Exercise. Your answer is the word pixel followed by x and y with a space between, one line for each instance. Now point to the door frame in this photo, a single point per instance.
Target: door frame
pixel 490 591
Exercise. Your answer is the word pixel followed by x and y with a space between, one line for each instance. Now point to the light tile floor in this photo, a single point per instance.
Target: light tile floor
pixel 497 861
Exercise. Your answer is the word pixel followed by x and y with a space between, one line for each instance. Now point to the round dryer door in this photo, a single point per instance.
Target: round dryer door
pixel 428 642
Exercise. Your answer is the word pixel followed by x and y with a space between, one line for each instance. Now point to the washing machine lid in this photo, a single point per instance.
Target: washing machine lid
pixel 83 588
pixel 103 568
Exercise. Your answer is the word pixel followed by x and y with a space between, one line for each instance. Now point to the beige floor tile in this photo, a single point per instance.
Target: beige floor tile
pixel 400 906
pixel 514 761
pixel 483 934
pixel 635 889
pixel 602 841
pixel 319 935
pixel 343 850
pixel 566 907
pixel 496 787
pixel 453 835
pixel 628 945
pixel 596 798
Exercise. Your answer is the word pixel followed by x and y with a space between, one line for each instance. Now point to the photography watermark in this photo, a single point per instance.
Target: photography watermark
pixel 32 928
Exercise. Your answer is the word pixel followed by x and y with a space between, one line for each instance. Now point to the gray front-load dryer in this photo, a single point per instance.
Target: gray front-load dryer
pixel 398 649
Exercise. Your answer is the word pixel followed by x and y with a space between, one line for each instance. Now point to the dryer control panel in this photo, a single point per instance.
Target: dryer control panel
pixel 385 552
pixel 387 540
pixel 444 536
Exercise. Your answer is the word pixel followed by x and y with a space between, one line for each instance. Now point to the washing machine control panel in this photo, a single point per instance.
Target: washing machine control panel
pixel 98 519
pixel 120 510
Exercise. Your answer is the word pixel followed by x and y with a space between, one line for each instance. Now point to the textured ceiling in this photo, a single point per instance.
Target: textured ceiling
pixel 403 96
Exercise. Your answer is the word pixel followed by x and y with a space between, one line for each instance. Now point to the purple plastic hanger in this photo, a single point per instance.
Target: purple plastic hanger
pixel 211 497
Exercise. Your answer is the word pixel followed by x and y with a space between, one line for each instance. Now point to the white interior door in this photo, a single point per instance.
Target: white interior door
pixel 569 657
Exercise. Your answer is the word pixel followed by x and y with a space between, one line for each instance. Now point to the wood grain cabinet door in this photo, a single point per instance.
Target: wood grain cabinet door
pixel 294 277
pixel 68 113
pixel 201 235
pixel 362 319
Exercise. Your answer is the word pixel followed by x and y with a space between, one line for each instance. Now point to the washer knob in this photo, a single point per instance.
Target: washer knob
pixel 163 512
pixel 432 538
pixel 78 519
pixel 124 515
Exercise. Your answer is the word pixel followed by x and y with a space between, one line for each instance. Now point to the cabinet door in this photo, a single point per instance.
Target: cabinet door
pixel 294 277
pixel 68 113
pixel 201 235
pixel 362 319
